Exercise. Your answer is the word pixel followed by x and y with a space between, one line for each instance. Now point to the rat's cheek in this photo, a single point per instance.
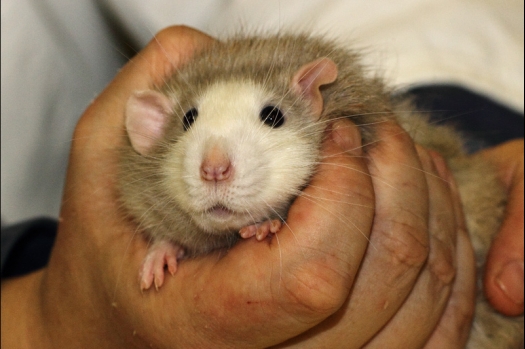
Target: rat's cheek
pixel 178 172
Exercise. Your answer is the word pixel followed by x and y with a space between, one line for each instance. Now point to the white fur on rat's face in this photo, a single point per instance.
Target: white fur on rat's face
pixel 269 165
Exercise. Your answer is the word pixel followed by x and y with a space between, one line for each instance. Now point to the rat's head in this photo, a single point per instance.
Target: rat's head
pixel 238 151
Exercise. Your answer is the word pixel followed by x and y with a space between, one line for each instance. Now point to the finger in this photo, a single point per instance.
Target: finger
pixel 504 269
pixel 329 224
pixel 428 298
pixel 400 242
pixel 338 202
pixel 397 249
pixel 454 327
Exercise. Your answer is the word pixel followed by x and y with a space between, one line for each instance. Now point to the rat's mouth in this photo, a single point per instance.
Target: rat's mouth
pixel 220 219
pixel 220 212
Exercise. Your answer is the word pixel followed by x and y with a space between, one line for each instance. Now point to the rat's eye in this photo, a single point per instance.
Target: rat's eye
pixel 189 118
pixel 272 116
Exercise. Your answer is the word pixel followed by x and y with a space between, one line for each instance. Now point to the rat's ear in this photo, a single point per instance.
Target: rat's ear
pixel 147 114
pixel 310 77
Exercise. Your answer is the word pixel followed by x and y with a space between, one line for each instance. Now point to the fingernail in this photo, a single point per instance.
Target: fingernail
pixel 347 136
pixel 510 281
pixel 440 164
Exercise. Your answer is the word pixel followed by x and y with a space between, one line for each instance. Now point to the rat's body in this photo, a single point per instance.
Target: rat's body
pixel 210 154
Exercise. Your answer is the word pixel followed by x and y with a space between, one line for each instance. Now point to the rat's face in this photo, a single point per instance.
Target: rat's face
pixel 244 155
pixel 236 146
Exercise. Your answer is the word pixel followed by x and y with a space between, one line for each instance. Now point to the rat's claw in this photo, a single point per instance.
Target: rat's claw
pixel 261 230
pixel 160 254
pixel 266 228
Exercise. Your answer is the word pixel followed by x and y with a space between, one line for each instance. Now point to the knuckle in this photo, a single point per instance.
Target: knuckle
pixel 404 246
pixel 425 158
pixel 442 261
pixel 398 135
pixel 315 294
pixel 84 127
pixel 181 35
pixel 172 31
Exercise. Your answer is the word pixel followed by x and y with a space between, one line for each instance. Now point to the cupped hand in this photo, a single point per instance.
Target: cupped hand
pixel 410 291
pixel 258 294
pixel 309 286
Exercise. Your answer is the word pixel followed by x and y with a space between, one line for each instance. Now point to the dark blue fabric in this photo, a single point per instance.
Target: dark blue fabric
pixel 26 246
pixel 483 121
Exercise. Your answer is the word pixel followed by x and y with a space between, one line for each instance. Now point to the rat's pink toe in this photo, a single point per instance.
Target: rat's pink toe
pixel 261 230
pixel 268 227
pixel 146 277
pixel 160 254
pixel 275 225
pixel 248 231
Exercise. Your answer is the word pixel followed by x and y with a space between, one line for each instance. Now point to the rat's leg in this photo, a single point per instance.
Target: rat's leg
pixel 161 253
pixel 261 230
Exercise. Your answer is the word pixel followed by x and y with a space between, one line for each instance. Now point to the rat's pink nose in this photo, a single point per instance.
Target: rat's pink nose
pixel 216 165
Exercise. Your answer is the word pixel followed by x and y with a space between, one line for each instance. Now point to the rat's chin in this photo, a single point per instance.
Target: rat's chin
pixel 220 219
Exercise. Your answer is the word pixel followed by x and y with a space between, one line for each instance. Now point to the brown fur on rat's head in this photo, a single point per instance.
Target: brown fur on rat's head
pixel 273 60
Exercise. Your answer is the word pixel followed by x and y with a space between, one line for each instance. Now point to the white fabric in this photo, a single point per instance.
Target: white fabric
pixel 57 54
pixel 476 43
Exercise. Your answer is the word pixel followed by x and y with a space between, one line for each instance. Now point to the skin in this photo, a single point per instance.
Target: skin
pixel 504 274
pixel 313 281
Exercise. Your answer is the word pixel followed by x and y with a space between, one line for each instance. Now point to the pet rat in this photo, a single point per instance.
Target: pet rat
pixel 221 149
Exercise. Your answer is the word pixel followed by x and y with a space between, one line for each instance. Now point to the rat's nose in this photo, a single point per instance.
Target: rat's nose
pixel 216 165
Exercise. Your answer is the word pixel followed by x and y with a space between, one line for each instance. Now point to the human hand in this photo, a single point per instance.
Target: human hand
pixel 260 293
pixel 418 276
pixel 504 269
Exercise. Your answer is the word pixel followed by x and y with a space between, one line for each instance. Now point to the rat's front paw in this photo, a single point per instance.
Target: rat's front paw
pixel 261 230
pixel 160 254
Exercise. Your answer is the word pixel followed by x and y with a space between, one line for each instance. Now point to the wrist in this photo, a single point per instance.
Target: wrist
pixel 23 320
